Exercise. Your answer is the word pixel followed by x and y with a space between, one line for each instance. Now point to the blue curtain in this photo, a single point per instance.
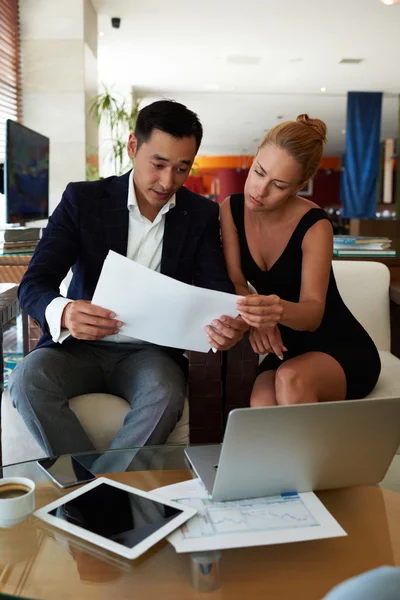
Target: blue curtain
pixel 361 162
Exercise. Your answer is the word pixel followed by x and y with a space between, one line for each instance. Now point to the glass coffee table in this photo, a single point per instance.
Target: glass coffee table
pixel 41 562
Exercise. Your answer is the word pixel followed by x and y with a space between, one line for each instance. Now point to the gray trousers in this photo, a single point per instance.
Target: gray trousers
pixel 143 374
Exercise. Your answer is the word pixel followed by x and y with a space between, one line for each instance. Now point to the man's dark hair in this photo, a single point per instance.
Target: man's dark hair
pixel 168 116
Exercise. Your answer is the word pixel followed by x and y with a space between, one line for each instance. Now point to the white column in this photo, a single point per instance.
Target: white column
pixel 59 78
pixel 388 171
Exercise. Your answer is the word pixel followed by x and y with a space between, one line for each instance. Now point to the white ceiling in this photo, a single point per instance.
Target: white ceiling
pixel 184 50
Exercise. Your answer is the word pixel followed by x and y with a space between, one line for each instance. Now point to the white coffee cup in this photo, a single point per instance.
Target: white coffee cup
pixel 17 500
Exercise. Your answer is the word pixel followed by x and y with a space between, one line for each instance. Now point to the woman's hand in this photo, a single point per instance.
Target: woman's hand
pixel 260 311
pixel 265 341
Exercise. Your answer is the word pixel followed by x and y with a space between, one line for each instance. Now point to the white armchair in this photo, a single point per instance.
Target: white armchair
pixel 364 287
pixel 101 415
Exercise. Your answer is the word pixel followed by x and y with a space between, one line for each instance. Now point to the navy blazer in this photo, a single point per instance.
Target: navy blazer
pixel 91 219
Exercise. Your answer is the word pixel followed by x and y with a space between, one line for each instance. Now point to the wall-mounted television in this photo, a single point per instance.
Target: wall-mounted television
pixel 26 174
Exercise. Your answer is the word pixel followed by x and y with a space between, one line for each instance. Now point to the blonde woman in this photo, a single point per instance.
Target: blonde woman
pixel 282 245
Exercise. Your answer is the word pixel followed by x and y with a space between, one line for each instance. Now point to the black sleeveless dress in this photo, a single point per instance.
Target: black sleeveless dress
pixel 340 334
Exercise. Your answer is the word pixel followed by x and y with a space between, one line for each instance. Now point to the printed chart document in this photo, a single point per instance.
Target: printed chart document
pixel 192 488
pixel 254 522
pixel 158 309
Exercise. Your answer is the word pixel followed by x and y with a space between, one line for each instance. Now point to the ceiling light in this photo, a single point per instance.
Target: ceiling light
pixel 389 2
pixel 101 33
pixel 323 89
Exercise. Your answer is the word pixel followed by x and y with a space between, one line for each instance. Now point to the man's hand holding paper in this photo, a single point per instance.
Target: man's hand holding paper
pixel 225 332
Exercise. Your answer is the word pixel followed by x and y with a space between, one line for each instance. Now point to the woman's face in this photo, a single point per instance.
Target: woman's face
pixel 273 177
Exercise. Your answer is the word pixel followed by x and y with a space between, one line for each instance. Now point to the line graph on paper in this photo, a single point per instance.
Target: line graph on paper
pixel 262 514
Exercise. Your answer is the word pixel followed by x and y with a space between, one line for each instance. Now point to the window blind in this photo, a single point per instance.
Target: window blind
pixel 10 67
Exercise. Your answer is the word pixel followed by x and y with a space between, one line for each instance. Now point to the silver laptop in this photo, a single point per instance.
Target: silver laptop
pixel 307 447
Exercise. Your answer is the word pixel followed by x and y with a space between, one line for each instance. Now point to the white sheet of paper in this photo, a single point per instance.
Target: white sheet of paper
pixel 193 488
pixel 255 522
pixel 158 309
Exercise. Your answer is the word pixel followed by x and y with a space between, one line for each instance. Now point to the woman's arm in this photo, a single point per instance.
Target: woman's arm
pixel 305 315
pixel 270 339
pixel 231 248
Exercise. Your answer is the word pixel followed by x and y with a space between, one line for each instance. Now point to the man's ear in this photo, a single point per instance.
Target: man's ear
pixel 132 145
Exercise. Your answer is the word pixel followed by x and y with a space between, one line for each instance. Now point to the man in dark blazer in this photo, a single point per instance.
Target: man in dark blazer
pixel 148 216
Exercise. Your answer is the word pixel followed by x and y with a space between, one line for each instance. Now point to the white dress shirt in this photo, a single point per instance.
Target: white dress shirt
pixel 145 241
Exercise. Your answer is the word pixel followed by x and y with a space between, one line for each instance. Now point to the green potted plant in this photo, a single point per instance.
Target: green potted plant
pixel 120 119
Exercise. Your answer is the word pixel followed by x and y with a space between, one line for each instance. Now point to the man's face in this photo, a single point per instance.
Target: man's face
pixel 162 165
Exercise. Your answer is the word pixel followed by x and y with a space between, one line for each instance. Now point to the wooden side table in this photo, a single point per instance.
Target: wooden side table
pixel 13 267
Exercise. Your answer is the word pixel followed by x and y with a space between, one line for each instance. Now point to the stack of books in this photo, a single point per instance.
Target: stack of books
pixel 346 245
pixel 19 240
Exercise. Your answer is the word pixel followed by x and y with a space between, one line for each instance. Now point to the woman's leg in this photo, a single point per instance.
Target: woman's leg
pixel 263 393
pixel 311 377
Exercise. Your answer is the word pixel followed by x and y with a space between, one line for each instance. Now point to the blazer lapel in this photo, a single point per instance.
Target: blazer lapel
pixel 177 222
pixel 116 214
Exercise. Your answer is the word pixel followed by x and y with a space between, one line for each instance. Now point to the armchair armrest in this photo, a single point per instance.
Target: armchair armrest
pixel 205 397
pixel 31 333
pixel 394 292
pixel 241 371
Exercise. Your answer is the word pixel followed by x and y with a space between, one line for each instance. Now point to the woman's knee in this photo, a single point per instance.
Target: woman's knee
pixel 263 393
pixel 258 398
pixel 289 384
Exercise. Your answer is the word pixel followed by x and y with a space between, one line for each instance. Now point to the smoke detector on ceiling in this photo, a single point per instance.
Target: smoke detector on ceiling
pixel 351 61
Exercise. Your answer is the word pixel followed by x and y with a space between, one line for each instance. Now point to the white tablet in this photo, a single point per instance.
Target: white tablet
pixel 116 517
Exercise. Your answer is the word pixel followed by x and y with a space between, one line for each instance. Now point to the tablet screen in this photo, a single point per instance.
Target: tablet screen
pixel 118 515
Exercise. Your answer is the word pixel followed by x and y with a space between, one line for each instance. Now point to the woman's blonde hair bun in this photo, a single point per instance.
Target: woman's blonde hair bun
pixel 318 125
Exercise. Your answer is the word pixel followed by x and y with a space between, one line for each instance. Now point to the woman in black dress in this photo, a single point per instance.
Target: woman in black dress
pixel 282 245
